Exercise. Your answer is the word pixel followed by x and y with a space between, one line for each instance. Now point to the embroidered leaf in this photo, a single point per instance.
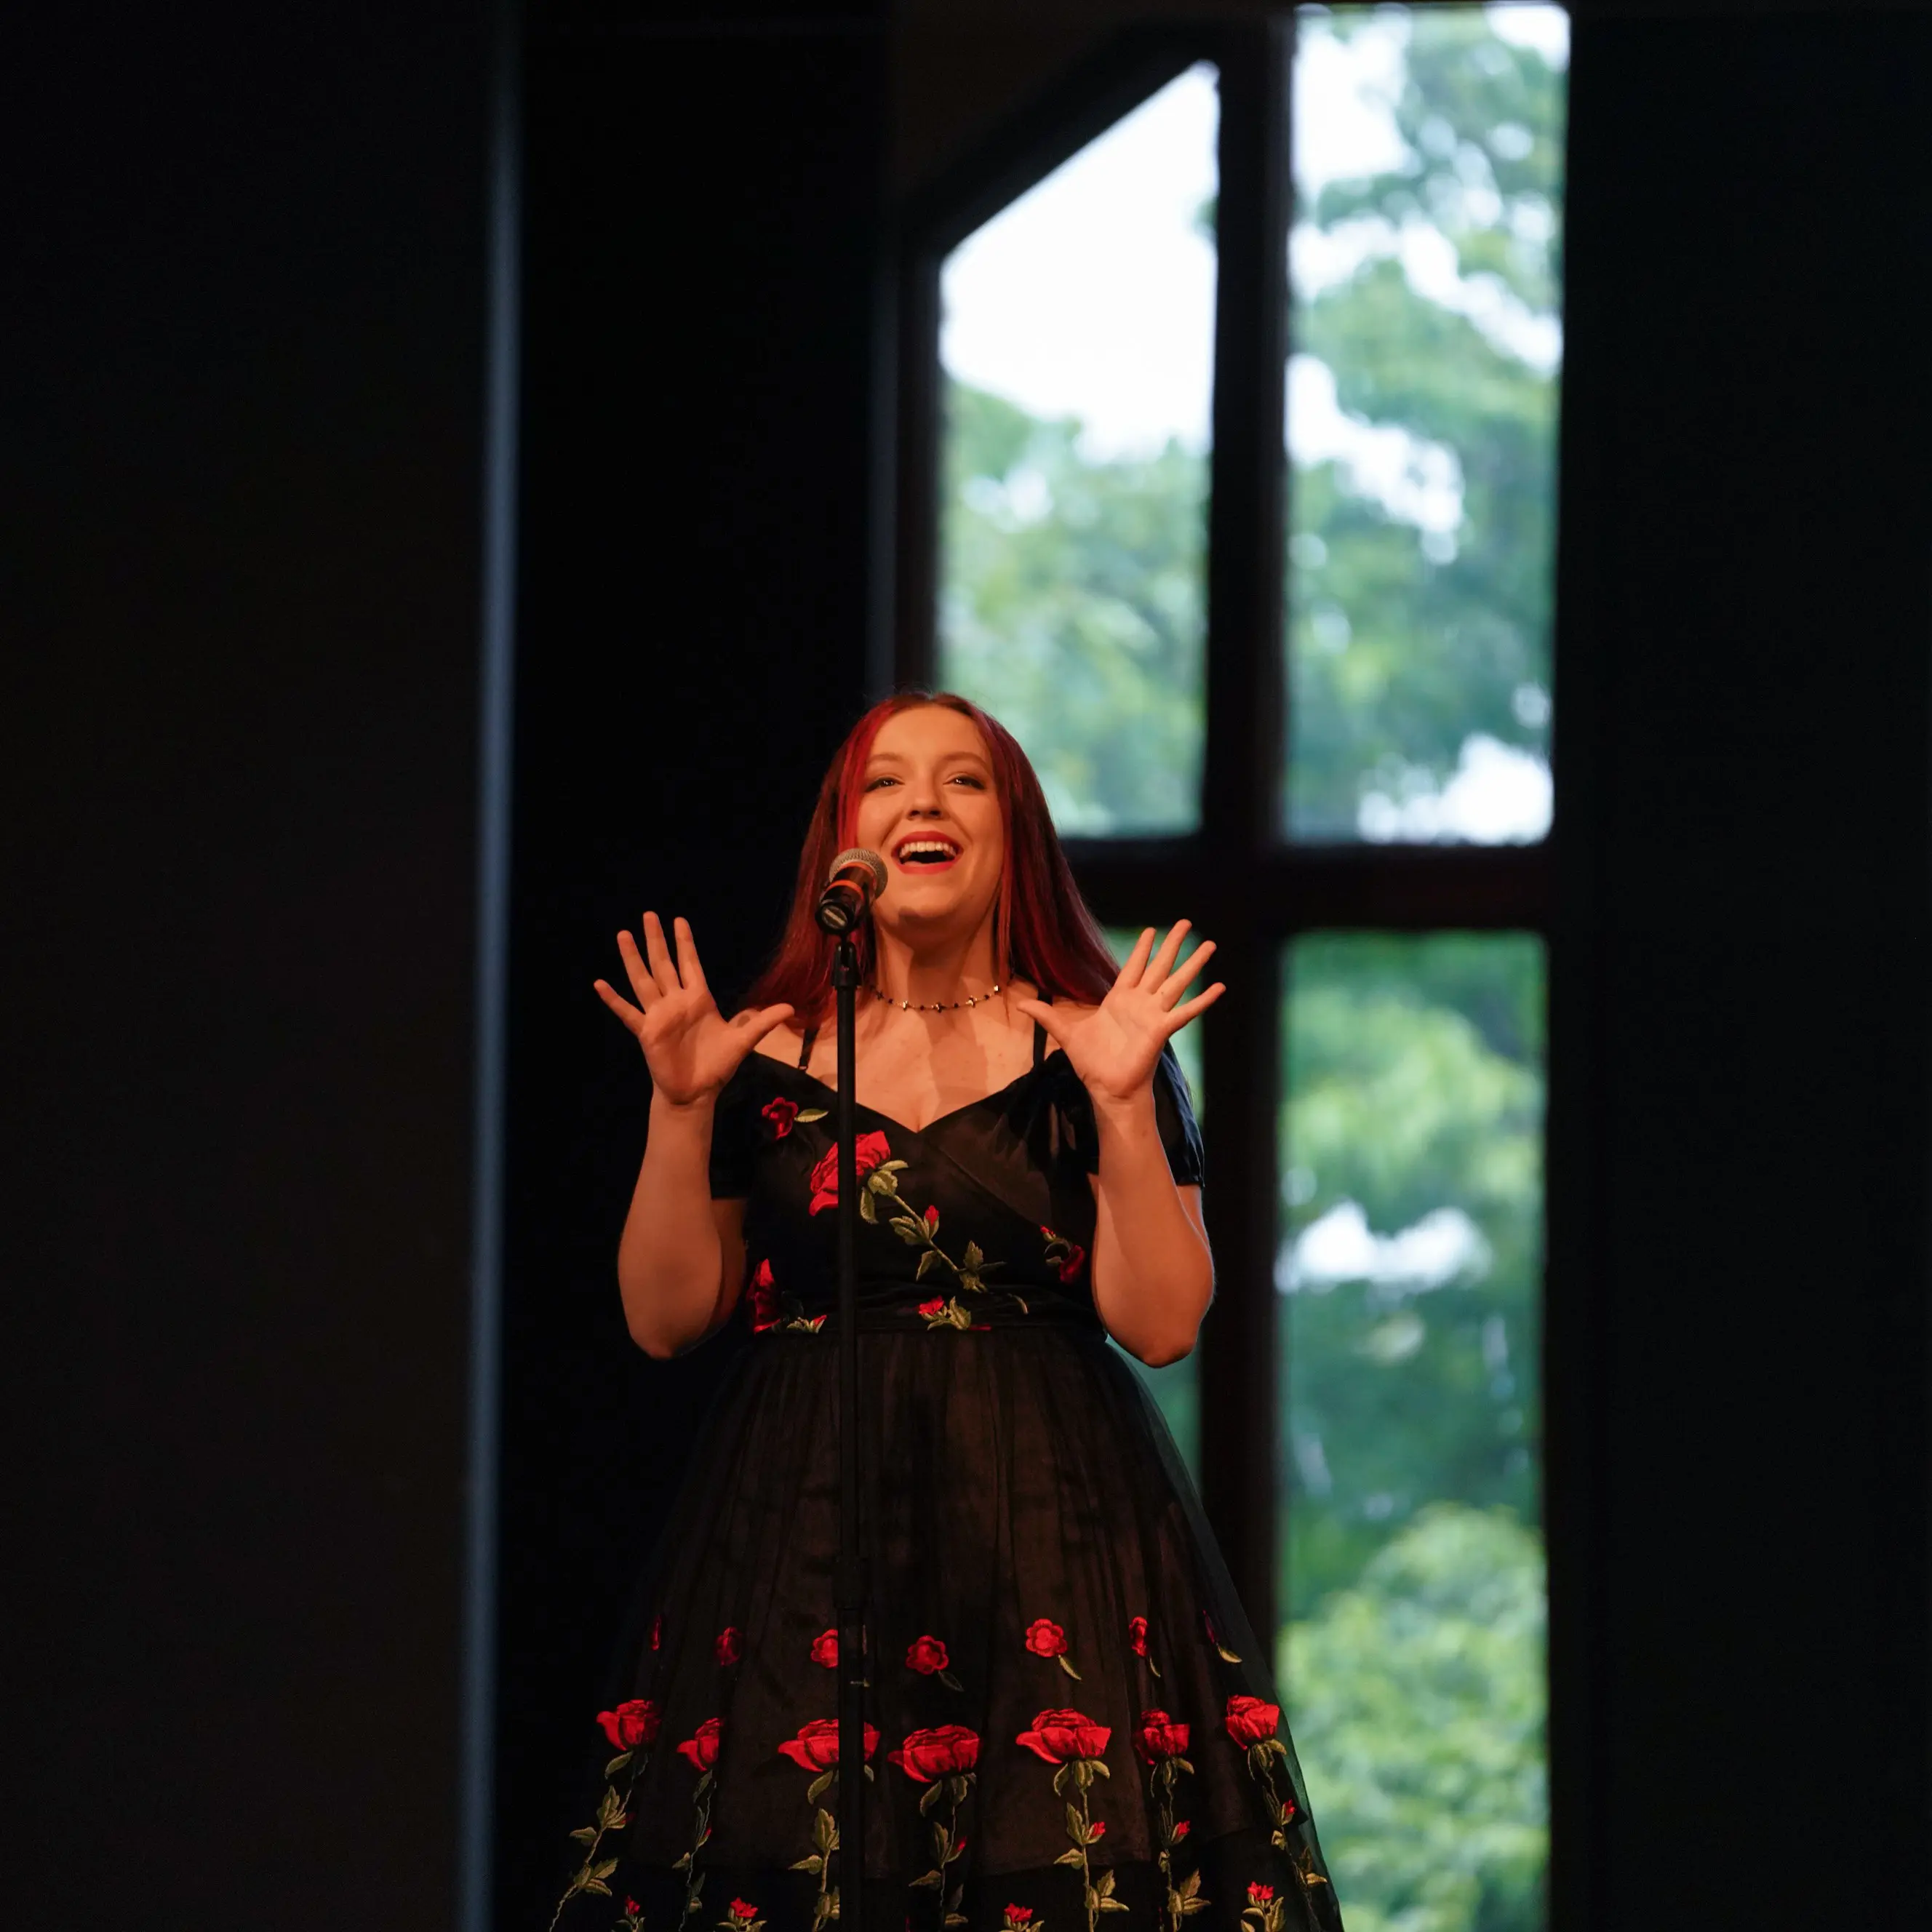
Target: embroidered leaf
pixel 927 1882
pixel 1077 1856
pixel 1189 1906
pixel 1113 1905
pixel 929 1797
pixel 825 1832
pixel 973 1259
pixel 1076 1828
pixel 1104 1884
pixel 951 1682
pixel 807 1114
pixel 971 1282
pixel 1064 1665
pixel 941 1844
pixel 867 1212
pixel 598 1885
pixel 811 1863
pixel 1025 1310
pixel 1227 1654
pixel 816 1789
pixel 605 1870
pixel 1154 1667
pixel 1100 1767
pixel 928 1262
pixel 681 1863
pixel 1183 1764
pixel 616 1764
pixel 1060 1778
pixel 912 1232
pixel 1190 1885
pixel 1279 1841
pixel 608 1806
pixel 585 1834
pixel 956 1919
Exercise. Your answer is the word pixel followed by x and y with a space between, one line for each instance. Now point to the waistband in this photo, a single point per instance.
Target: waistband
pixel 905 1319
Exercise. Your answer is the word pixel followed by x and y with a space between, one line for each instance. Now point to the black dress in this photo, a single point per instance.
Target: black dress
pixel 1075 1724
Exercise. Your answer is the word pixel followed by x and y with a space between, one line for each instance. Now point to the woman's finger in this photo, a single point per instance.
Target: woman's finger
pixel 1199 1004
pixel 621 1007
pixel 689 969
pixel 759 1021
pixel 1136 961
pixel 1051 1018
pixel 637 972
pixel 1162 964
pixel 662 971
pixel 1170 989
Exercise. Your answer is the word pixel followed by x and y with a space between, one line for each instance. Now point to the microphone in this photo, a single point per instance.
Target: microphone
pixel 857 878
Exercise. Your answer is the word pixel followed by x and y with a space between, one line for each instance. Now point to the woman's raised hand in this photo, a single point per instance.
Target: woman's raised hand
pixel 691 1048
pixel 1114 1047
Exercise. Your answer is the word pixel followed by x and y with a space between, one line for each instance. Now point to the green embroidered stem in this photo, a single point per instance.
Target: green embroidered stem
pixel 1097 1895
pixel 825 1842
pixel 694 1878
pixel 947 1846
pixel 613 1813
pixel 968 1273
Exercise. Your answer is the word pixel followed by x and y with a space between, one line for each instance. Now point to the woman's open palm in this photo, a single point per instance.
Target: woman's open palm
pixel 1114 1049
pixel 691 1048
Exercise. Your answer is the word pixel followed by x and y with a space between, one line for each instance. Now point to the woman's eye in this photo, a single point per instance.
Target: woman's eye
pixel 967 779
pixel 873 785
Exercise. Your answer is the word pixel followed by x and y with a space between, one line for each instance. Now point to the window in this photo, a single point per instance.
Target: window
pixel 1273 610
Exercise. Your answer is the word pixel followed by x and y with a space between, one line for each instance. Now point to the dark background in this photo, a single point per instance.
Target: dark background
pixel 242 402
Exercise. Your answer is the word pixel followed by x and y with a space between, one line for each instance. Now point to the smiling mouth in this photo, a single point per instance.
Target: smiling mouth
pixel 924 854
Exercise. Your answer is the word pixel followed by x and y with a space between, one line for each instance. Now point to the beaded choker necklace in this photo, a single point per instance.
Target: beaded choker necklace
pixel 931 1006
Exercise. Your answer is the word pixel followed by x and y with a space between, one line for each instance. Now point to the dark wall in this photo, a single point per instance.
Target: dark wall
pixel 242 400
pixel 701 360
pixel 1742 1037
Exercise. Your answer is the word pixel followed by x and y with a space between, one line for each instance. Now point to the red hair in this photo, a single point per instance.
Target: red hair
pixel 1042 930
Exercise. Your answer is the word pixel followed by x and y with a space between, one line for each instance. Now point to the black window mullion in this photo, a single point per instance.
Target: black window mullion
pixel 1240 1047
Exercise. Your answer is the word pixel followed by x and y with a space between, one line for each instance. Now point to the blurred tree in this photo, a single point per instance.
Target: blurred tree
pixel 1405 643
pixel 1419 1712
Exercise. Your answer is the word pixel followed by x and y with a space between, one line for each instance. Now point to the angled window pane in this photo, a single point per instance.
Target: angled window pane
pixel 1077 348
pixel 1422 409
pixel 1413 1654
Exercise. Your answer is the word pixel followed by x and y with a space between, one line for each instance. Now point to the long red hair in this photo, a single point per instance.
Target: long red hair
pixel 1042 930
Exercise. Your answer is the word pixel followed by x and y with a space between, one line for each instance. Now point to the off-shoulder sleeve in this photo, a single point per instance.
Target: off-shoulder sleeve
pixel 1173 1118
pixel 733 1121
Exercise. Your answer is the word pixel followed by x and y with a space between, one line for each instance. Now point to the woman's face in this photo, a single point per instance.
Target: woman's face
pixel 927 804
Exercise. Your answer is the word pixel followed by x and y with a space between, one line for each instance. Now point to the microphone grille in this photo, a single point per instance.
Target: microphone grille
pixel 858 855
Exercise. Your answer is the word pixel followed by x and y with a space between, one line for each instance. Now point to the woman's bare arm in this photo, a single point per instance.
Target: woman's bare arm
pixel 682 1256
pixel 1153 1274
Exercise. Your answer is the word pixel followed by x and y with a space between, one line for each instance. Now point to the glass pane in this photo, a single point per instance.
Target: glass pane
pixel 1077 348
pixel 1413 1654
pixel 1176 1387
pixel 1422 405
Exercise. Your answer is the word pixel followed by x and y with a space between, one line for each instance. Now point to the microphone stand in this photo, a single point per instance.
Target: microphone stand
pixel 849 1579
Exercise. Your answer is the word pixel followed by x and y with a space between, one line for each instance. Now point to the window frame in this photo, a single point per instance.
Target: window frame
pixel 1238 876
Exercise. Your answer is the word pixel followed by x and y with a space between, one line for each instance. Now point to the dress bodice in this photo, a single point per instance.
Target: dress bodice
pixel 981 1218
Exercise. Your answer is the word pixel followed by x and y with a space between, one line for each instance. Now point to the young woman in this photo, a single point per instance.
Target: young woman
pixel 1068 1718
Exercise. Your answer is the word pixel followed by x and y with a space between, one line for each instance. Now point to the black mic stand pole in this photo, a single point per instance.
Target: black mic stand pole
pixel 849 1579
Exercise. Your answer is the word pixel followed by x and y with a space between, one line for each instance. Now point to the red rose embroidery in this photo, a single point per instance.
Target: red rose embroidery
pixel 872 1149
pixel 1058 1735
pixel 764 1299
pixel 1250 1721
pixel 1158 1736
pixel 942 1752
pixel 1018 1917
pixel 932 1220
pixel 634 1722
pixel 816 1746
pixel 1044 1638
pixel 1137 1629
pixel 1074 1260
pixel 937 1305
pixel 825 1649
pixel 1182 1828
pixel 731 1644
pixel 701 1751
pixel 781 1114
pixel 742 1909
pixel 926 1655
pixel 1260 1895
